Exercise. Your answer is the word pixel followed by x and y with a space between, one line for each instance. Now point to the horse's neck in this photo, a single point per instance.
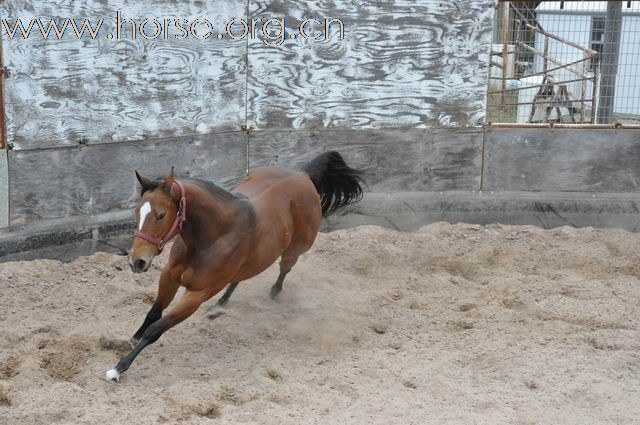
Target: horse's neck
pixel 209 215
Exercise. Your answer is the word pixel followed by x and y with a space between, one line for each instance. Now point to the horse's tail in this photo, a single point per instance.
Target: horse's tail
pixel 337 184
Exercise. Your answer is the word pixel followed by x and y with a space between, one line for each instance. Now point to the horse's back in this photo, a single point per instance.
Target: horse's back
pixel 287 210
pixel 273 184
pixel 262 179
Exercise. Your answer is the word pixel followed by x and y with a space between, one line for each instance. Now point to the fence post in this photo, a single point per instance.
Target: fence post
pixel 609 61
pixel 3 132
pixel 505 56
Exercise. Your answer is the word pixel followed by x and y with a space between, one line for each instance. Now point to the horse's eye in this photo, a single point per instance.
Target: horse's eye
pixel 160 216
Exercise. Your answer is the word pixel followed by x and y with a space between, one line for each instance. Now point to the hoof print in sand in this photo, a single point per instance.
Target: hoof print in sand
pixel 10 367
pixel 64 360
pixel 5 401
pixel 120 346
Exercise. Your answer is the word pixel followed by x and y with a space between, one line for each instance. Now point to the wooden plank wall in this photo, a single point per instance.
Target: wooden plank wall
pixel 62 93
pixel 4 189
pixel 403 63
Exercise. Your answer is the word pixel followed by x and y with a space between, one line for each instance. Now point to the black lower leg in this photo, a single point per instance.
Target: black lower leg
pixel 277 287
pixel 149 336
pixel 225 297
pixel 152 316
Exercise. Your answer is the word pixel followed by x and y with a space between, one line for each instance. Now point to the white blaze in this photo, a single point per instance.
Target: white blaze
pixel 144 211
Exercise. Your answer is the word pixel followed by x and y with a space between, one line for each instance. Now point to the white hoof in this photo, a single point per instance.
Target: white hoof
pixel 113 375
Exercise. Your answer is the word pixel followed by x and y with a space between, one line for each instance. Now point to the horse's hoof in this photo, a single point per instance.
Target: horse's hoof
pixel 217 308
pixel 113 375
pixel 215 313
pixel 134 342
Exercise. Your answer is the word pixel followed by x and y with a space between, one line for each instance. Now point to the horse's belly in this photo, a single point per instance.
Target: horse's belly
pixel 256 264
pixel 271 239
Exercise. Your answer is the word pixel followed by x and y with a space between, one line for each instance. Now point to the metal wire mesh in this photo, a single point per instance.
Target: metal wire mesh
pixel 565 62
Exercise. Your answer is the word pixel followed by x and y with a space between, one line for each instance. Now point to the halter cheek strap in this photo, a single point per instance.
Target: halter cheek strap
pixel 176 227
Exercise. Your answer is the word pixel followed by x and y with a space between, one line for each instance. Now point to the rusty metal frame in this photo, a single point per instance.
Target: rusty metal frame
pixel 548 70
pixel 562 40
pixel 589 56
pixel 546 57
pixel 537 85
pixel 506 9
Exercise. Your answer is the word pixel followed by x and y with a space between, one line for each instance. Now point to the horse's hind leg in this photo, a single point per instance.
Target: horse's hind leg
pixel 225 297
pixel 287 261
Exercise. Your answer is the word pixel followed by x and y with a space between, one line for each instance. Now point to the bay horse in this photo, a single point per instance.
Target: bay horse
pixel 225 237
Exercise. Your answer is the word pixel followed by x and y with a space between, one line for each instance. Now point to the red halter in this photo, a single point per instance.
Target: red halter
pixel 176 227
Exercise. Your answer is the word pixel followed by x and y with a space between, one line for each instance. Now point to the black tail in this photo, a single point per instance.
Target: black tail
pixel 337 184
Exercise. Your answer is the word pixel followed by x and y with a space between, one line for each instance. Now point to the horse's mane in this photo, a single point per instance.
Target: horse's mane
pixel 210 187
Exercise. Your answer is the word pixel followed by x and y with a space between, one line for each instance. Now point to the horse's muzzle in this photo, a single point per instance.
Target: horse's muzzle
pixel 139 266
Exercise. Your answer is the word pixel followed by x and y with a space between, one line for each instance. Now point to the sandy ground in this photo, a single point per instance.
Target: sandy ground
pixel 450 324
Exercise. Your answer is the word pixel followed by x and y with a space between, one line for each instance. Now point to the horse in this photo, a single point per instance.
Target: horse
pixel 226 237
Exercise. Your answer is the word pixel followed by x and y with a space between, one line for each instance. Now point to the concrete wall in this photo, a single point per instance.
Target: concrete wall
pixel 93 180
pixel 47 184
pixel 566 160
pixel 544 177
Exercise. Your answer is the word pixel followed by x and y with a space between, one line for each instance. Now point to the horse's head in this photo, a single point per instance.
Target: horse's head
pixel 155 216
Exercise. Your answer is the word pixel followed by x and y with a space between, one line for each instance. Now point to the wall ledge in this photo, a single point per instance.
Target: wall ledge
pixel 403 211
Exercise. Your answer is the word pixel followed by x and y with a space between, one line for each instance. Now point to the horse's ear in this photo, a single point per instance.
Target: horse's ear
pixel 168 181
pixel 144 181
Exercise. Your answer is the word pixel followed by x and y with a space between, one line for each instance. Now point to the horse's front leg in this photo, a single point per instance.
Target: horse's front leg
pixel 167 289
pixel 188 304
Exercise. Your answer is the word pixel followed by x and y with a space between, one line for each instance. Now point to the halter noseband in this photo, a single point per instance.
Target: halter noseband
pixel 176 227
